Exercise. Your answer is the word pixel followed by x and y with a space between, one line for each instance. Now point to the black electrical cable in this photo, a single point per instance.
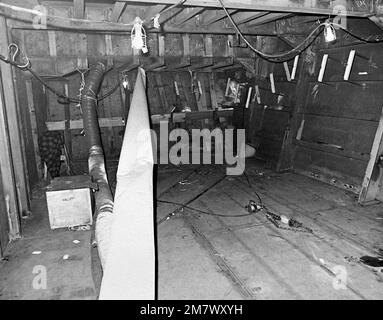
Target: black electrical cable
pixel 299 48
pixel 27 67
pixel 204 212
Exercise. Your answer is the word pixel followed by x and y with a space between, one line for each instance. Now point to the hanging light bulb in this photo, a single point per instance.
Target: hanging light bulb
pixel 138 36
pixel 125 82
pixel 329 32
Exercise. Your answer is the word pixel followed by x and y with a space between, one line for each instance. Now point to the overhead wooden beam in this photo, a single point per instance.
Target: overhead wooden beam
pixel 372 181
pixel 311 7
pixel 19 15
pixel 165 17
pixel 79 9
pixel 187 14
pixel 151 11
pixel 211 16
pixel 118 9
pixel 247 16
pixel 268 18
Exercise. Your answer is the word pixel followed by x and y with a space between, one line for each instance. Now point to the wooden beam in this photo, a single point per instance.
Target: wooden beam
pixel 151 11
pixel 7 174
pixel 156 118
pixel 79 9
pixel 247 16
pixel 211 16
pixel 13 117
pixel 19 15
pixel 165 17
pixel 118 9
pixel 187 14
pixel 34 128
pixel 268 18
pixel 372 180
pixel 310 7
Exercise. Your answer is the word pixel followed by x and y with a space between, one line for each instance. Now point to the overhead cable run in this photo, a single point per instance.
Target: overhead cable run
pixel 25 14
pixel 13 52
pixel 288 55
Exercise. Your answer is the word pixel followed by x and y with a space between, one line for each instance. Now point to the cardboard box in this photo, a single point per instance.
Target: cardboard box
pixel 69 201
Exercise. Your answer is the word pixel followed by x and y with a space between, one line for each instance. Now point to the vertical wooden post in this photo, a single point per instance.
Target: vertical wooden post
pixel 286 157
pixel 4 225
pixel 67 133
pixel 79 9
pixel 13 120
pixel 371 186
pixel 7 173
pixel 32 115
pixel 213 94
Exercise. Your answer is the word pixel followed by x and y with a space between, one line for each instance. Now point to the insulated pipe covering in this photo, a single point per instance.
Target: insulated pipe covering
pixel 96 161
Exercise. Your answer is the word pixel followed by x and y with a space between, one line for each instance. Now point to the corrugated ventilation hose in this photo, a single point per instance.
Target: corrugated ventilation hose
pixel 96 160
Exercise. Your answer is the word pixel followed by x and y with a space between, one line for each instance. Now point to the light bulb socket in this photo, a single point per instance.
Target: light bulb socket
pixel 329 32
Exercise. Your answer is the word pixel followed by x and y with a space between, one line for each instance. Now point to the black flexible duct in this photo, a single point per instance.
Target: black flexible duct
pixel 96 161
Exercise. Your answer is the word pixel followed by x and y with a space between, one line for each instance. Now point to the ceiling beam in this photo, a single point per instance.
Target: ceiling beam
pixel 247 16
pixel 353 8
pixel 118 9
pixel 187 14
pixel 211 16
pixel 268 18
pixel 19 15
pixel 151 11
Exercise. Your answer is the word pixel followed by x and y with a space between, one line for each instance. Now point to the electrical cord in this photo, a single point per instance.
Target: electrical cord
pixel 11 59
pixel 299 48
pixel 354 35
pixel 270 56
pixel 204 212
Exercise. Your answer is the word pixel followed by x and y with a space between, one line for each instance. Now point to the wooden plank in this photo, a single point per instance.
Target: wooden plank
pixel 268 18
pixel 79 9
pixel 345 134
pixel 286 157
pixel 187 14
pixel 4 223
pixel 52 43
pixel 152 10
pixel 330 168
pixel 213 93
pixel 33 120
pixel 371 184
pixel 332 149
pixel 11 107
pixel 118 9
pixel 326 100
pixel 211 16
pixel 161 90
pixel 67 134
pixel 242 17
pixel 119 121
pixel 7 173
pixel 278 5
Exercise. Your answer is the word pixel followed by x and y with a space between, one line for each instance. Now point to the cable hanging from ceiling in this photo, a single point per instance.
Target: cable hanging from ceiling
pixel 13 52
pixel 288 55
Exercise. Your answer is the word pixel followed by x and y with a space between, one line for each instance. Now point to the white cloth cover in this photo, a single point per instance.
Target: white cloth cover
pixel 129 273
